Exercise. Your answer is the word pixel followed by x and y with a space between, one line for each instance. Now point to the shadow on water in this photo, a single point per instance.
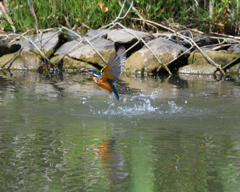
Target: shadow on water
pixel 63 133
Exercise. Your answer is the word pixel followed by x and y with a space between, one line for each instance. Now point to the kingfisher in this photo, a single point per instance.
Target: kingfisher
pixel 111 73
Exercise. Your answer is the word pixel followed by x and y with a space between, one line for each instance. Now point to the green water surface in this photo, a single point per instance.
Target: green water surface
pixel 63 133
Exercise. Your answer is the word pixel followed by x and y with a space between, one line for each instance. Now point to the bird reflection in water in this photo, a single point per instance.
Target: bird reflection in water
pixel 111 159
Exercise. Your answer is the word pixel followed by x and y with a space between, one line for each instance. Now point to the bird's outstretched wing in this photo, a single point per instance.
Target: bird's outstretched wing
pixel 115 66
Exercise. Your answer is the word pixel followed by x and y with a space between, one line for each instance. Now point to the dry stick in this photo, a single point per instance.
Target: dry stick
pixel 196 31
pixel 7 16
pixel 221 46
pixel 223 35
pixel 33 13
pixel 30 3
pixel 84 25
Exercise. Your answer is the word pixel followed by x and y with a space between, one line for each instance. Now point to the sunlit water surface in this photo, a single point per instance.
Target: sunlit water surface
pixel 63 133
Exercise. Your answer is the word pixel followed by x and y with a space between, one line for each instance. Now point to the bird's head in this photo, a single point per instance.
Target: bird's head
pixel 92 72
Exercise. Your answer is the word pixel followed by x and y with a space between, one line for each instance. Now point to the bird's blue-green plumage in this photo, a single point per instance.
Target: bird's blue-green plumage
pixel 113 70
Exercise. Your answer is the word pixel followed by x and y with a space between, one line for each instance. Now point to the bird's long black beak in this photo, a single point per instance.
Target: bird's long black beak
pixel 82 71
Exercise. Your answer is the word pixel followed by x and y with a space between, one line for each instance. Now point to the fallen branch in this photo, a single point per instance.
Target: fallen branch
pixel 223 35
pixel 221 46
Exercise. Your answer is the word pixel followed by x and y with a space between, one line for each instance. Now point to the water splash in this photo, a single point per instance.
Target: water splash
pixel 174 108
pixel 135 106
pixel 138 106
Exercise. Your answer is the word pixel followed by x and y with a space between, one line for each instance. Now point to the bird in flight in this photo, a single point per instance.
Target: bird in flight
pixel 111 73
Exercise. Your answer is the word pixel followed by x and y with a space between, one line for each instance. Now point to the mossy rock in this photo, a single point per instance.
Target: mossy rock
pixel 96 59
pixel 145 61
pixel 7 48
pixel 234 69
pixel 70 63
pixel 220 58
pixel 26 60
pixel 56 59
pixel 47 53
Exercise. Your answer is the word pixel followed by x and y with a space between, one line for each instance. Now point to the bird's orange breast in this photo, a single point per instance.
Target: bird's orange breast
pixel 103 84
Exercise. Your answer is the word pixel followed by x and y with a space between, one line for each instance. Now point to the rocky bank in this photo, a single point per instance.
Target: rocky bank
pixel 66 52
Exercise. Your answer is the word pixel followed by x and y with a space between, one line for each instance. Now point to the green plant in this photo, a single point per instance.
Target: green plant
pixel 221 16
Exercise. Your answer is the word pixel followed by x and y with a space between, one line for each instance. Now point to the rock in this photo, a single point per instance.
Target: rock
pixel 86 53
pixel 49 43
pixel 234 47
pixel 198 69
pixel 92 33
pixel 27 61
pixel 6 48
pixel 234 69
pixel 144 60
pixel 70 63
pixel 197 77
pixel 122 36
pixel 200 41
pixel 199 65
pixel 218 57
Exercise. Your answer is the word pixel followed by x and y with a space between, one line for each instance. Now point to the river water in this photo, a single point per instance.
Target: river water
pixel 64 133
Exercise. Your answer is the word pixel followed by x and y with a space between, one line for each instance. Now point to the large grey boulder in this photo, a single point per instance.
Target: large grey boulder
pixel 48 44
pixel 123 36
pixel 144 60
pixel 84 52
pixel 234 47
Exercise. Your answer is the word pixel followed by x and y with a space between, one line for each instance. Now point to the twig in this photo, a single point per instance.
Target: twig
pixel 221 46
pixel 33 13
pixel 197 31
pixel 30 3
pixel 83 24
pixel 26 32
pixel 7 16
pixel 223 35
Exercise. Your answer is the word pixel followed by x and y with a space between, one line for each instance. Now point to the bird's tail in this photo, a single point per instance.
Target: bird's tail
pixel 114 89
